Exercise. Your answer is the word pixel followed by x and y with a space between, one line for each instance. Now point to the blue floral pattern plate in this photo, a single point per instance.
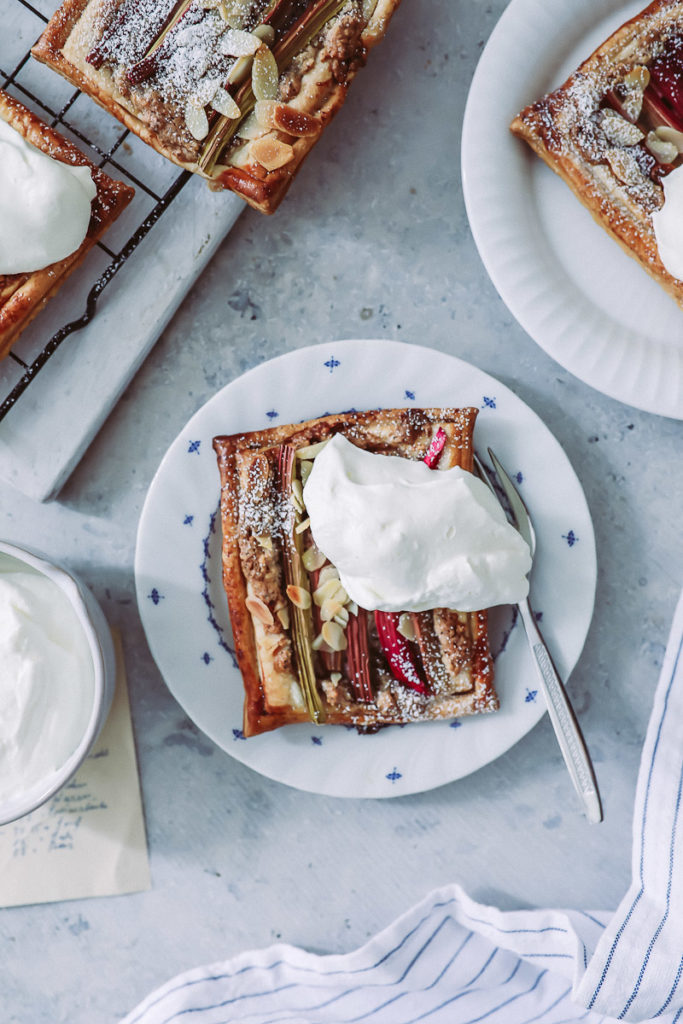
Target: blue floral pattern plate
pixel 184 610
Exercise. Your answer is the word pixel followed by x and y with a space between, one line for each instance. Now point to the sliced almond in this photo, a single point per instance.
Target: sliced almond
pixel 334 636
pixel 638 77
pixel 335 677
pixel 250 128
pixel 405 626
pixel 272 114
pixel 237 43
pixel 329 609
pixel 265 112
pixel 259 610
pixel 283 616
pixel 298 596
pixel 667 134
pixel 326 590
pixel 239 71
pixel 265 541
pixel 618 130
pixel 625 166
pixel 224 104
pixel 270 153
pixel 632 103
pixel 264 34
pixel 663 152
pixel 303 526
pixel 311 450
pixel 329 572
pixel 342 617
pixel 312 559
pixel 196 120
pixel 264 73
pixel 352 607
pixel 318 643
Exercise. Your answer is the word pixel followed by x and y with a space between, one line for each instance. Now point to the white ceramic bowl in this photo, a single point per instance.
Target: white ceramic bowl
pixel 101 647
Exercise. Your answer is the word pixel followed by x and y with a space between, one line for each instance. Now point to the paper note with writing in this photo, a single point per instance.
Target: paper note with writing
pixel 89 839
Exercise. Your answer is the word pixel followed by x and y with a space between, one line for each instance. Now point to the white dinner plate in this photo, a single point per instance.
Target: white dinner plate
pixel 184 609
pixel 571 287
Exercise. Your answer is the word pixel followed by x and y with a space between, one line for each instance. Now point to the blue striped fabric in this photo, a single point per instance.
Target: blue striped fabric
pixel 450 960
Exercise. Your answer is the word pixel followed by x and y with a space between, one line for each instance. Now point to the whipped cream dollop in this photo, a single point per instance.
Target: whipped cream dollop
pixel 45 205
pixel 408 538
pixel 46 678
pixel 668 224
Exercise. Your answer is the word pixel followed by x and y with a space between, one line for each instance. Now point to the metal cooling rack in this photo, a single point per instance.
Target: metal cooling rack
pixel 169 259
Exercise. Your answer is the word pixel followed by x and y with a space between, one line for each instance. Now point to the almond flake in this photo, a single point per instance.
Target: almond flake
pixel 312 559
pixel 663 152
pixel 259 610
pixel 224 104
pixel 303 526
pixel 265 112
pixel 325 591
pixel 237 43
pixel 283 616
pixel 639 76
pixel 298 596
pixel 250 128
pixel 618 130
pixel 196 120
pixel 667 134
pixel 335 677
pixel 405 626
pixel 239 71
pixel 264 73
pixel 334 636
pixel 264 34
pixel 329 609
pixel 329 572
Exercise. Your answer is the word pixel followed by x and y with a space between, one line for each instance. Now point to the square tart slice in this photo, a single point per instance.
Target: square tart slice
pixel 22 296
pixel 297 663
pixel 237 91
pixel 614 130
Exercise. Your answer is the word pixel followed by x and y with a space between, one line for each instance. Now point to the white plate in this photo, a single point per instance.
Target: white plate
pixel 184 610
pixel 580 297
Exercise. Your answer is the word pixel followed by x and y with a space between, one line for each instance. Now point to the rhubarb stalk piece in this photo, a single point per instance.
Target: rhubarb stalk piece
pixel 295 575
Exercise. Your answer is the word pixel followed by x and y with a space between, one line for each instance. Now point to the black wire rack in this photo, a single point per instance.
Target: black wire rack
pixel 39 92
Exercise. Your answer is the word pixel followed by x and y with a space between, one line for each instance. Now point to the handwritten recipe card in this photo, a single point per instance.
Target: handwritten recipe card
pixel 89 839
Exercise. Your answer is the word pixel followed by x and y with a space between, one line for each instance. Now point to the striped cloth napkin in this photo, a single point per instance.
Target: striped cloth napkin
pixel 450 960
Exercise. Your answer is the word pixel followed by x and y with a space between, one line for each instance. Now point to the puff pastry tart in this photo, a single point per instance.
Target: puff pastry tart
pixel 305 650
pixel 237 91
pixel 614 133
pixel 24 293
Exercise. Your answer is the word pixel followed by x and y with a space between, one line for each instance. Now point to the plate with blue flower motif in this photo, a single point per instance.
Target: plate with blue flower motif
pixel 184 610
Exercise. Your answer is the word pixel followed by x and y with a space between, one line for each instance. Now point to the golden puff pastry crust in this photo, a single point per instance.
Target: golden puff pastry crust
pixel 596 132
pixel 169 97
pixel 22 296
pixel 278 631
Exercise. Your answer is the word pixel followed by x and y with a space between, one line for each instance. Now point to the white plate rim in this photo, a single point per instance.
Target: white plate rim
pixel 402 761
pixel 499 188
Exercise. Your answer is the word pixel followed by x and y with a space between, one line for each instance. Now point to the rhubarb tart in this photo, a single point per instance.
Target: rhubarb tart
pixel 614 133
pixel 360 555
pixel 237 91
pixel 54 205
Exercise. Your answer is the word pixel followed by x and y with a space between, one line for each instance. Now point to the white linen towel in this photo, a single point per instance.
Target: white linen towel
pixel 450 960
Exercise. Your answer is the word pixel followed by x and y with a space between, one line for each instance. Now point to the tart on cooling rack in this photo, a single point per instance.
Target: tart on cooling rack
pixel 237 91
pixel 614 133
pixel 24 292
pixel 306 650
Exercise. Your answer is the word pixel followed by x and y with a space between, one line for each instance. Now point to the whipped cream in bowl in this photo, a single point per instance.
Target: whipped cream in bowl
pixel 57 672
pixel 405 537
pixel 45 205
